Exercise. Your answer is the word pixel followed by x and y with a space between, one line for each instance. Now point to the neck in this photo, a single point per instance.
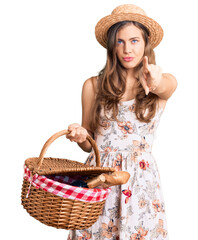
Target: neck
pixel 130 78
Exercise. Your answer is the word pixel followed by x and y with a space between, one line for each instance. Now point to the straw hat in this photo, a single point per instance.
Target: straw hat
pixel 128 12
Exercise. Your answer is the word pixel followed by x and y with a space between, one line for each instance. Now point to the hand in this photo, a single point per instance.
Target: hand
pixel 77 133
pixel 150 76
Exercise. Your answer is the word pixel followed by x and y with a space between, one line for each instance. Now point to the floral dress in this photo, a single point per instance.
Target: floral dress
pixel 134 210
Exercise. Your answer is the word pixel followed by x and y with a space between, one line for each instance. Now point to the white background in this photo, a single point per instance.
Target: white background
pixel 47 50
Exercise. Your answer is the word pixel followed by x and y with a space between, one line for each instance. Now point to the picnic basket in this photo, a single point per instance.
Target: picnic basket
pixel 48 196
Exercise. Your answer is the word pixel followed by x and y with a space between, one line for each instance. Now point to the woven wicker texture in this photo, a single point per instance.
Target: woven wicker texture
pixel 60 166
pixel 59 212
pixel 54 210
pixel 128 12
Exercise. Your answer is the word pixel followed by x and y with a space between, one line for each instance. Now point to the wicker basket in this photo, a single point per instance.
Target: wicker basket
pixel 53 210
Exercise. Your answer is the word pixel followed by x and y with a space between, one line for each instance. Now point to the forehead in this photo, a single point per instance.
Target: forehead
pixel 129 31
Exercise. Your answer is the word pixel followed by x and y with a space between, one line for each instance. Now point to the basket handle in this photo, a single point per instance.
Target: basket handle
pixel 59 134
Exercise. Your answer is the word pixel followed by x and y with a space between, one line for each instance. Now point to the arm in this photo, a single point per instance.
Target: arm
pixel 88 98
pixel 166 87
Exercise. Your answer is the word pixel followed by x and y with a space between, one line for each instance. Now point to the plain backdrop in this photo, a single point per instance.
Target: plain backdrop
pixel 47 50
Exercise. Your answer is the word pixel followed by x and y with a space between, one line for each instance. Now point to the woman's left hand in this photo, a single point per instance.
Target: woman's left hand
pixel 150 76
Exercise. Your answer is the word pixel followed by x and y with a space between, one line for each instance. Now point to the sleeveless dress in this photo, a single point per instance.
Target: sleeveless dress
pixel 134 210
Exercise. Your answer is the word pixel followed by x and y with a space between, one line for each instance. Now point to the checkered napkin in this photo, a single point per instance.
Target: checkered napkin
pixel 59 185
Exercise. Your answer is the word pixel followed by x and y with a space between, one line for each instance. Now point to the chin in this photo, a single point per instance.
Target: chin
pixel 129 65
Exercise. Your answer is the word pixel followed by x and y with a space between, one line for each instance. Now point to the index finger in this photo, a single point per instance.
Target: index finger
pixel 145 64
pixel 73 126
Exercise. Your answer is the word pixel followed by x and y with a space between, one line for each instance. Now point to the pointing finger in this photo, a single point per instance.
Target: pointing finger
pixel 144 85
pixel 146 64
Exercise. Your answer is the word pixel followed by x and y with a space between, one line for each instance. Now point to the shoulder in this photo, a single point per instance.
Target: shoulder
pixel 89 91
pixel 90 86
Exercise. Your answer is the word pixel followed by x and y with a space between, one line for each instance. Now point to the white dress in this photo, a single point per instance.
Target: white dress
pixel 135 210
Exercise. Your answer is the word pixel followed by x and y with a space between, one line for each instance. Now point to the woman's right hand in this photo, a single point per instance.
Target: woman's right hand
pixel 77 133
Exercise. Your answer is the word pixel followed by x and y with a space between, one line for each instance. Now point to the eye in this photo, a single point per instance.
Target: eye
pixel 119 41
pixel 134 40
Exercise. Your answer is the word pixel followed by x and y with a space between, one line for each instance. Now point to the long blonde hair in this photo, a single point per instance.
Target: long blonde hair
pixel 111 83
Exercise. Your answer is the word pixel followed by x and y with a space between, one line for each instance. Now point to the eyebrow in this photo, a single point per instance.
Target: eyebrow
pixel 129 38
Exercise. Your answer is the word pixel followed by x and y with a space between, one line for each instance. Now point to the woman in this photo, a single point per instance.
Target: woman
pixel 121 109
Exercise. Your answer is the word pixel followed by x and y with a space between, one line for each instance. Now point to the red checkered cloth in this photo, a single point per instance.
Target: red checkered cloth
pixel 59 185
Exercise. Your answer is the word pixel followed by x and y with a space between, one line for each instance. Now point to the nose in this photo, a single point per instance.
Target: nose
pixel 127 47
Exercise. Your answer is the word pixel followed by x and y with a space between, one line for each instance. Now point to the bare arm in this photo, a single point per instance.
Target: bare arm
pixel 78 133
pixel 167 86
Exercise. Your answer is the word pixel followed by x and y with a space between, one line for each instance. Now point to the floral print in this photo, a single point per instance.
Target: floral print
pixel 142 202
pixel 143 165
pixel 156 205
pixel 141 145
pixel 141 233
pixel 135 210
pixel 108 230
pixel 126 127
pixel 117 164
pixel 128 194
pixel 85 235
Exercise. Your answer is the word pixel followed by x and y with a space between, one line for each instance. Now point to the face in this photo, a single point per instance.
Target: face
pixel 129 46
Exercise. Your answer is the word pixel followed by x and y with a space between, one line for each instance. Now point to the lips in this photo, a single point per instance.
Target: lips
pixel 128 59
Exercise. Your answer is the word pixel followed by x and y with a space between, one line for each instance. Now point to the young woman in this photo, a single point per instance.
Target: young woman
pixel 121 109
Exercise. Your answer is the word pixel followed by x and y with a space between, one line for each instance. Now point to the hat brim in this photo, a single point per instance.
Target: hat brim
pixel 155 30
